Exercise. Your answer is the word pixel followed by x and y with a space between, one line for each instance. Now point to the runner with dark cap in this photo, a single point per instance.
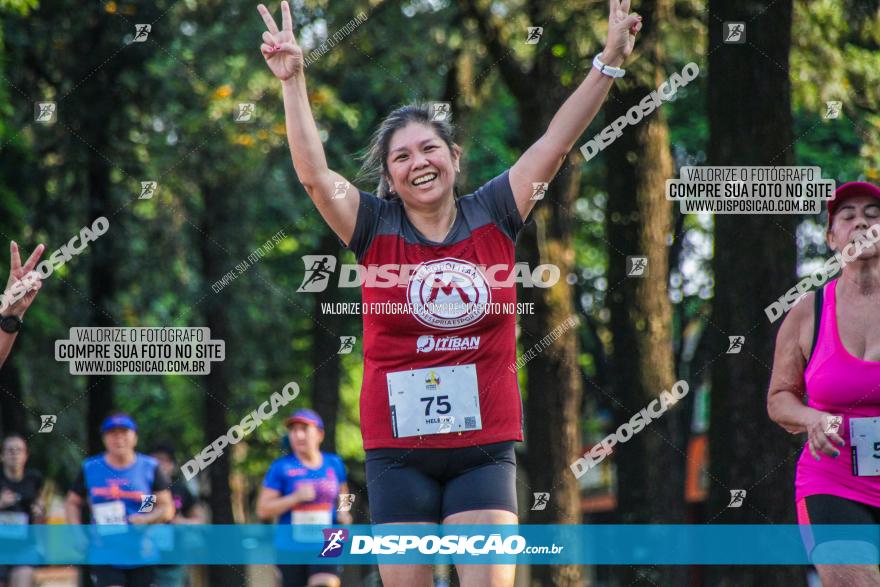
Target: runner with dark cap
pixel 303 488
pixel 120 486
pixel 828 351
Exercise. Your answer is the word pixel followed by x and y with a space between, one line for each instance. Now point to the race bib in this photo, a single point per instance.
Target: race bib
pixel 110 514
pixel 436 400
pixel 864 435
pixel 13 525
pixel 305 524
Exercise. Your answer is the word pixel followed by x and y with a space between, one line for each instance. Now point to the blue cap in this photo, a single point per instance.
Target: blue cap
pixel 118 421
pixel 306 416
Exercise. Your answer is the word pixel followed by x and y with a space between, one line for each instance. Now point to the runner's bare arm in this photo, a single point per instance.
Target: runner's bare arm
pixel 336 199
pixel 271 503
pixel 785 397
pixel 542 160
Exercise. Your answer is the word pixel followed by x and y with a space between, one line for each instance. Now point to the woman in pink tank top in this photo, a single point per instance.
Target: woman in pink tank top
pixel 828 353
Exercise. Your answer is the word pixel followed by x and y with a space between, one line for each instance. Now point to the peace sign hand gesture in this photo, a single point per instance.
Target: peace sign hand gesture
pixel 30 279
pixel 279 48
pixel 622 29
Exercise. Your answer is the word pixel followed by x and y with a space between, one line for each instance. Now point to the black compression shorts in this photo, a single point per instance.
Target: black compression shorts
pixel 429 484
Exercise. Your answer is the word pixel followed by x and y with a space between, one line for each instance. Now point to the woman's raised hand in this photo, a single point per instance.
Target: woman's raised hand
pixel 622 29
pixel 283 56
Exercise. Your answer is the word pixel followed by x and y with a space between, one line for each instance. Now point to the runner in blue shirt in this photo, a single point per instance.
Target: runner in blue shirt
pixel 303 488
pixel 120 486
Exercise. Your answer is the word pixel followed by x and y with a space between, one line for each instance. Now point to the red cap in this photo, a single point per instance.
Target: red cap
pixel 850 189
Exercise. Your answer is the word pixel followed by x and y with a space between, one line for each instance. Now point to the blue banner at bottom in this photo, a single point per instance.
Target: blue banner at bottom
pixel 676 544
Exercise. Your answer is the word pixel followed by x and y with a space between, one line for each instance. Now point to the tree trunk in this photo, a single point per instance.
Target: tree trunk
pixel 215 229
pixel 102 285
pixel 325 347
pixel 650 472
pixel 750 123
pixel 12 413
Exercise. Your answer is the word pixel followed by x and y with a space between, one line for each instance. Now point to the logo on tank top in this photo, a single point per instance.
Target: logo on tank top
pixel 448 293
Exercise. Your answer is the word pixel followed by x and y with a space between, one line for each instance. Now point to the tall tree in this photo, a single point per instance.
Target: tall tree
pixel 216 227
pixel 650 474
pixel 750 123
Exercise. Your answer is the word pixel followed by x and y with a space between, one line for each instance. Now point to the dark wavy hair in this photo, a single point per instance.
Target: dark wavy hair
pixel 375 160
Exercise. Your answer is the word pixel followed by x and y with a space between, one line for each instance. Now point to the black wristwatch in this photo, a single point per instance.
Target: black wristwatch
pixel 10 324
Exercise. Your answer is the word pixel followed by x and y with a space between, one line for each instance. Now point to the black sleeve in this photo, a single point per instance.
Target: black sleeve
pixel 161 482
pixel 496 196
pixel 369 216
pixel 79 485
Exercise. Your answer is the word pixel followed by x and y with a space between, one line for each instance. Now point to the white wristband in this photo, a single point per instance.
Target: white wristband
pixel 607 69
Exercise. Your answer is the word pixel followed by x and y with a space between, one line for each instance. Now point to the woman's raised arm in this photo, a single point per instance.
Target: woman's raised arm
pixel 336 198
pixel 542 160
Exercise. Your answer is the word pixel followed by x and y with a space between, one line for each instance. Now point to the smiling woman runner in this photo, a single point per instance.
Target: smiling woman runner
pixel 440 448
pixel 828 349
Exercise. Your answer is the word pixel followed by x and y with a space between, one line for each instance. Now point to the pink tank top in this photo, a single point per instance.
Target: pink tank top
pixel 843 385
